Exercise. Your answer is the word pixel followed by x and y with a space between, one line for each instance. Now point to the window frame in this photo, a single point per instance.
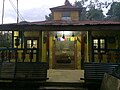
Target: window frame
pixel 99 45
pixel 66 15
pixel 32 39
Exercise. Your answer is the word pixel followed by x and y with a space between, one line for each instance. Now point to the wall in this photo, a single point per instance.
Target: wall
pixel 74 15
pixel 56 15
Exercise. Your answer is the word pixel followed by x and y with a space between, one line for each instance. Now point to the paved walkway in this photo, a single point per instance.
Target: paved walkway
pixel 56 75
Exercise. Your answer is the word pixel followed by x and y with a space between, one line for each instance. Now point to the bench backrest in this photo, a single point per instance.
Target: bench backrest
pixel 97 70
pixel 23 70
pixel 7 70
pixel 31 70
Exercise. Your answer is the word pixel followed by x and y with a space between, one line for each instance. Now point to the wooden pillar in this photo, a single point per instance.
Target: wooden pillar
pixel 47 48
pixel 87 48
pixel 82 50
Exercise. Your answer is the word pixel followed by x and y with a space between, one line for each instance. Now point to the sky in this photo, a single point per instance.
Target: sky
pixel 30 10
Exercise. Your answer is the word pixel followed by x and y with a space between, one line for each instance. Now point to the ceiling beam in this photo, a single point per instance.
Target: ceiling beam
pixel 34 27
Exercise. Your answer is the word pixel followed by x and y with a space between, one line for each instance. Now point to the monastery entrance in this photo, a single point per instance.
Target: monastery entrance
pixel 65 52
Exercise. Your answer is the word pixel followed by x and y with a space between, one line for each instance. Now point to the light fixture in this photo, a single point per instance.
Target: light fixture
pixel 56 36
pixel 73 34
pixel 63 36
pixel 17 41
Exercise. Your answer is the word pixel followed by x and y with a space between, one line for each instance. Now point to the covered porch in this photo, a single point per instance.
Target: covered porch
pixel 43 39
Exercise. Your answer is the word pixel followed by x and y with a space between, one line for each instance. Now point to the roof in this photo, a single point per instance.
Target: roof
pixel 64 22
pixel 66 6
pixel 62 25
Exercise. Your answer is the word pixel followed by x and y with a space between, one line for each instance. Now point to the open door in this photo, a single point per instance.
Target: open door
pixel 65 53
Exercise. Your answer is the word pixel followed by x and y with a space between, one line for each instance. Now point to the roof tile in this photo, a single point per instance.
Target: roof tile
pixel 64 22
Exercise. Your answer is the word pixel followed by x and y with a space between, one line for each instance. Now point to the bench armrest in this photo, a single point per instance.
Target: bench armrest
pixel 82 78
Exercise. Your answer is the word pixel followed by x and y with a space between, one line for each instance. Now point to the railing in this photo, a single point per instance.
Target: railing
pixel 106 56
pixel 18 55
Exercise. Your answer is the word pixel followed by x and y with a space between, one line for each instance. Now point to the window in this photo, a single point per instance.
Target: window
pixel 66 16
pixel 31 42
pixel 102 43
pixel 99 43
pixel 95 44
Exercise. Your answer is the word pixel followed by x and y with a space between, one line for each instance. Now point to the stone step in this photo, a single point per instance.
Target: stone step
pixel 63 86
pixel 73 84
pixel 64 66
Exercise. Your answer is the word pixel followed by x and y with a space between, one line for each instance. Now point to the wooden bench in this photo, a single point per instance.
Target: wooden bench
pixel 7 71
pixel 94 72
pixel 21 74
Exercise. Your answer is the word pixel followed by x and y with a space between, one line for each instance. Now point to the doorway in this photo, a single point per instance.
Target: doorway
pixel 65 53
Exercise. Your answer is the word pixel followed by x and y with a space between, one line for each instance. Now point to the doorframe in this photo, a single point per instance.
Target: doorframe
pixel 75 54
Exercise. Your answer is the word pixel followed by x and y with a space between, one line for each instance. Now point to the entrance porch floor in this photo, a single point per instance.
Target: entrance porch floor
pixel 57 75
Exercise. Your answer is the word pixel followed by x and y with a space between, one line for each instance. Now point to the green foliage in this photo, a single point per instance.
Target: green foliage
pixel 92 13
pixel 79 4
pixel 114 12
pixel 95 14
pixel 49 17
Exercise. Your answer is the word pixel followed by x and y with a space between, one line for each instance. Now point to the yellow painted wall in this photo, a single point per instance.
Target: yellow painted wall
pixel 74 15
pixel 31 33
pixel 57 15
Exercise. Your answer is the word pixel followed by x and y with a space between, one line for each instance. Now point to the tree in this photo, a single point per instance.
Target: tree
pixel 93 11
pixel 49 17
pixel 95 14
pixel 114 12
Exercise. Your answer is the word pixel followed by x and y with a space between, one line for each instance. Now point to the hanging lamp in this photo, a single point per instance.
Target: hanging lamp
pixel 73 34
pixel 63 36
pixel 56 36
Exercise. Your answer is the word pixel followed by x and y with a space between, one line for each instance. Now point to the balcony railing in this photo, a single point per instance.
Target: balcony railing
pixel 108 56
pixel 18 55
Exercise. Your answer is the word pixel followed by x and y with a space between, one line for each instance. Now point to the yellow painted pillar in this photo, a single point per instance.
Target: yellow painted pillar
pixel 50 51
pixel 87 48
pixel 44 52
pixel 78 54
